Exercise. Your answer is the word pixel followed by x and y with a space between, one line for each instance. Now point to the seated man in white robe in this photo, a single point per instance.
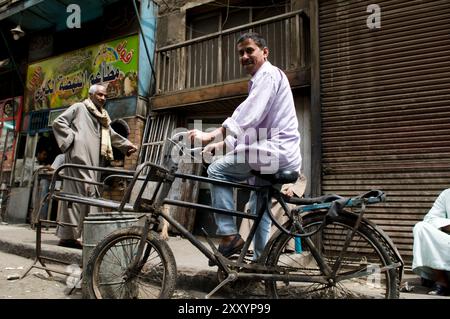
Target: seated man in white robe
pixel 432 245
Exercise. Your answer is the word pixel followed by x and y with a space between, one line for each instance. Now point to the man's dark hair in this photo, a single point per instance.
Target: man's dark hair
pixel 259 40
pixel 40 150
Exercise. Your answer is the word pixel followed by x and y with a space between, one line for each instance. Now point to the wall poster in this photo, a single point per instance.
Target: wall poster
pixel 65 79
pixel 10 116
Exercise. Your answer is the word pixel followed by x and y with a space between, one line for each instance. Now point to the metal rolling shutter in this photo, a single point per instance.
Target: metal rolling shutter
pixel 385 99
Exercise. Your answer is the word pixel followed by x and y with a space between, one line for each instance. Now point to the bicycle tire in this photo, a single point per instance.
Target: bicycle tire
pixel 105 271
pixel 366 252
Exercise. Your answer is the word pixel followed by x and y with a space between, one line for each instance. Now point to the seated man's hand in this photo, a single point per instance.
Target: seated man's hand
pixel 212 149
pixel 131 149
pixel 203 137
pixel 288 190
pixel 45 169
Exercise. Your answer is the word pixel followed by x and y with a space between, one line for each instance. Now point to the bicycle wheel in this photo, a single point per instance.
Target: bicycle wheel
pixel 106 272
pixel 360 275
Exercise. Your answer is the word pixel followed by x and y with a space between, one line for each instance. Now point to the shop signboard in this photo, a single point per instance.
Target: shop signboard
pixel 10 115
pixel 65 79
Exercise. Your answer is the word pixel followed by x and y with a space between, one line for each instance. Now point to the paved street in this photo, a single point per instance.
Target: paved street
pixel 195 278
pixel 36 285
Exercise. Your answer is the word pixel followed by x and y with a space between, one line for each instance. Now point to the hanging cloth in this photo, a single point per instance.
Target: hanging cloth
pixel 105 121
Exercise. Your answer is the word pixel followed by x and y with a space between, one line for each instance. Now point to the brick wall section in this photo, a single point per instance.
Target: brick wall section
pixel 136 125
pixel 117 189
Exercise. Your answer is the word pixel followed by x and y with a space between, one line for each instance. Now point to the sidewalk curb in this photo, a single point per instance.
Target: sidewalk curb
pixel 202 280
pixel 29 251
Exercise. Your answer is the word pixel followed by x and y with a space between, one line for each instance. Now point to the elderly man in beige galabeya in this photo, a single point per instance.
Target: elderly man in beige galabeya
pixel 84 135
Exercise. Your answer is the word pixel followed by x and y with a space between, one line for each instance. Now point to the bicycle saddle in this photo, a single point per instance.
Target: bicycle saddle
pixel 280 177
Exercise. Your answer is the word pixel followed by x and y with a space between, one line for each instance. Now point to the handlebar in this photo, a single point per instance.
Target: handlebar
pixel 180 140
pixel 171 158
pixel 178 135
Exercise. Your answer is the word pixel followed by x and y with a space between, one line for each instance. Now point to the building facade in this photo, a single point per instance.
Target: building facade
pixel 199 81
pixel 385 97
pixel 370 81
pixel 52 51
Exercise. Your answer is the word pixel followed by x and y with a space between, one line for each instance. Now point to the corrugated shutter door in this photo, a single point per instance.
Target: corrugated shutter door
pixel 385 98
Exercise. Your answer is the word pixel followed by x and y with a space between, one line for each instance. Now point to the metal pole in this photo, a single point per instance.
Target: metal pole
pixel 143 39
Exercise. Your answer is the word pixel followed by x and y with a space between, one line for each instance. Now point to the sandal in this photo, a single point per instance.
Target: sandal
pixel 439 290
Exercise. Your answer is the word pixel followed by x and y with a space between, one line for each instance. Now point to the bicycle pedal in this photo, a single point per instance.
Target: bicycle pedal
pixel 232 276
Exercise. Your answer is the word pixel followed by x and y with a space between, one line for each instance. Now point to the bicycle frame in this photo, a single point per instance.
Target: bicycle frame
pixel 160 198
pixel 164 177
pixel 225 264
